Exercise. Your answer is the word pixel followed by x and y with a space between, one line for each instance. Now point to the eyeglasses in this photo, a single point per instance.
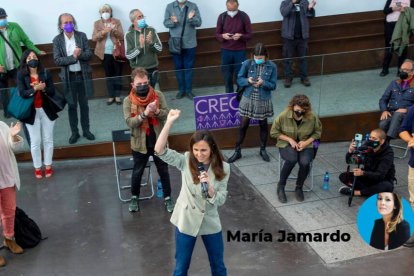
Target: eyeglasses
pixel 143 83
pixel 140 16
pixel 406 70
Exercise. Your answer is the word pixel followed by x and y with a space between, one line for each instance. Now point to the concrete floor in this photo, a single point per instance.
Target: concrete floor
pixel 90 232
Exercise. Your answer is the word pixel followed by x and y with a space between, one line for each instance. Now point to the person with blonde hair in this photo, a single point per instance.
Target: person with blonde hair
pixel 391 231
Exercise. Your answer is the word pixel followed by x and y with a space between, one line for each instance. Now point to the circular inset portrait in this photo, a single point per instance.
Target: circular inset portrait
pixel 385 221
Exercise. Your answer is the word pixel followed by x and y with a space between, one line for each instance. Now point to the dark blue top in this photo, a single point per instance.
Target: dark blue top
pixel 408 125
pixel 396 97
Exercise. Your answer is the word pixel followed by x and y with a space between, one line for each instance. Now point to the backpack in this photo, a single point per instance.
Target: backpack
pixel 26 232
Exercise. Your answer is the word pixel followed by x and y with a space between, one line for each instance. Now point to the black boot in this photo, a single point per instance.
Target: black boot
pixel 299 194
pixel 236 155
pixel 281 193
pixel 263 154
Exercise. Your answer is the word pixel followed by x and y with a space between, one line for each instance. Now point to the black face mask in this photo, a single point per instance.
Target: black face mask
pixel 403 75
pixel 373 144
pixel 142 90
pixel 299 113
pixel 33 63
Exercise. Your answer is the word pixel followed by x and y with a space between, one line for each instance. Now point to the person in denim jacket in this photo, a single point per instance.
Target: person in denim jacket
pixel 395 101
pixel 258 78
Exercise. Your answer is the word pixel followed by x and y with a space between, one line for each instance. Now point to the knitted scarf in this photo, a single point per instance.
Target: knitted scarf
pixel 138 106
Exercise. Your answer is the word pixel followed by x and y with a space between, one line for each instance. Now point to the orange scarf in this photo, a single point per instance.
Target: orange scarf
pixel 138 106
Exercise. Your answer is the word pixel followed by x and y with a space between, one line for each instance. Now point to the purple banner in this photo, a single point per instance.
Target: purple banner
pixel 217 111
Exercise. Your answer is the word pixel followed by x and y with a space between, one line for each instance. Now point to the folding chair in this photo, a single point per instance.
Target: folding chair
pixel 400 147
pixel 310 175
pixel 127 164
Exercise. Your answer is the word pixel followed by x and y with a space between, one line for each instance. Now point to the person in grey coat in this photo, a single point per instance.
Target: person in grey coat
pixel 72 53
pixel 295 34
pixel 177 14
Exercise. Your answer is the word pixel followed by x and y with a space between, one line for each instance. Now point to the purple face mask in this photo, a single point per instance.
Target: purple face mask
pixel 68 27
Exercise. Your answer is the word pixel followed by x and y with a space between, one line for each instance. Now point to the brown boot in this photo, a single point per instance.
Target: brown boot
pixel 2 261
pixel 12 246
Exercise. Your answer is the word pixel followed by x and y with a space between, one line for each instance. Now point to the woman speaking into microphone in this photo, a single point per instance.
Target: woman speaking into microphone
pixel 195 212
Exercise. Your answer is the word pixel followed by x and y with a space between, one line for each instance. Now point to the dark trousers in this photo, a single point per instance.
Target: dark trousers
pixel 140 161
pixel 290 157
pixel 153 79
pixel 392 124
pixel 264 131
pixel 367 189
pixel 78 91
pixel 113 73
pixel 388 52
pixel 184 64
pixel 295 48
pixel 230 66
pixel 184 246
pixel 4 93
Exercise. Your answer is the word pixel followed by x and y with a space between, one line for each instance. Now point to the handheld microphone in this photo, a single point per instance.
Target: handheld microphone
pixel 204 185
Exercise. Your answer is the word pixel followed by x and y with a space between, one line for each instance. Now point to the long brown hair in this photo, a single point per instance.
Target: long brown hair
pixel 216 159
pixel 397 214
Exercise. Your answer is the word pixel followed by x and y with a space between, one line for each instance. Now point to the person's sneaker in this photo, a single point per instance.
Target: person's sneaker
pixel 345 190
pixel 288 82
pixel 299 194
pixel 169 204
pixel 305 82
pixel 88 135
pixel 133 205
pixel 74 138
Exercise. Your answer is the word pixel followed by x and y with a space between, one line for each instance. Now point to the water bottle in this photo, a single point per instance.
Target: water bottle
pixel 367 137
pixel 160 193
pixel 326 181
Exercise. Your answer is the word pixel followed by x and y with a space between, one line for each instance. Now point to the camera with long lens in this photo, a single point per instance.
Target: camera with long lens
pixel 363 148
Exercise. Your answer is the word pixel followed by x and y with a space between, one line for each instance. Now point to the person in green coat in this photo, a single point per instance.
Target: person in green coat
pixel 10 53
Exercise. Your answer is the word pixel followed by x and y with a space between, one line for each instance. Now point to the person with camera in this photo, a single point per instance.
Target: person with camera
pixel 204 188
pixel 398 96
pixel 258 79
pixel 378 172
pixel 295 34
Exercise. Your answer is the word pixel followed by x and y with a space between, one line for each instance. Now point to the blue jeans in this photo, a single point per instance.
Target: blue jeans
pixel 184 246
pixel 230 66
pixel 184 64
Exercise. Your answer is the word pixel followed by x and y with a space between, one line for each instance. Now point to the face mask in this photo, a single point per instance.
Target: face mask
pixel 68 27
pixel 232 13
pixel 403 75
pixel 299 113
pixel 106 15
pixel 372 144
pixel 181 1
pixel 142 23
pixel 33 63
pixel 3 22
pixel 258 61
pixel 142 90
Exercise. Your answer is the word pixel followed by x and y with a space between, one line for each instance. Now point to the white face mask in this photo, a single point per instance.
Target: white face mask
pixel 181 1
pixel 106 15
pixel 232 13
